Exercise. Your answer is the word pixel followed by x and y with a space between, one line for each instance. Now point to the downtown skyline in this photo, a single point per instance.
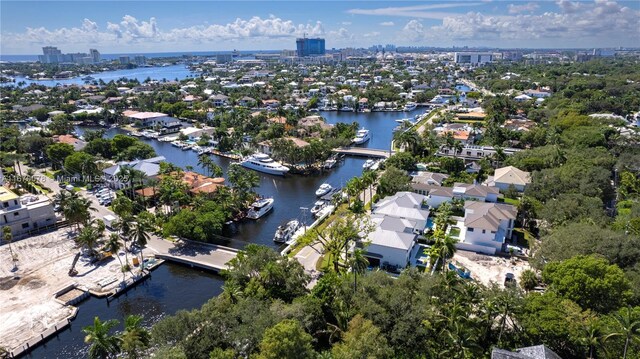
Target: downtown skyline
pixel 144 26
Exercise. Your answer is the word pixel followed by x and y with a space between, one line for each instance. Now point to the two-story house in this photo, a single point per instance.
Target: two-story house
pixel 485 226
pixel 26 213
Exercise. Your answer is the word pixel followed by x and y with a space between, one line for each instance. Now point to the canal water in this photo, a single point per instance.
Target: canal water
pixel 293 192
pixel 170 288
pixel 168 73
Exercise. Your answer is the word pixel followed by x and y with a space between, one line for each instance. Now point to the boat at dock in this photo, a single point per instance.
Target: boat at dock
pixel 285 232
pixel 410 106
pixel 323 189
pixel 362 136
pixel 260 207
pixel 330 163
pixel 317 207
pixel 263 163
pixel 368 164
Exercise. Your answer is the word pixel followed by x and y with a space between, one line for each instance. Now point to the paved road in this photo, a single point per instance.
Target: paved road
pixel 309 257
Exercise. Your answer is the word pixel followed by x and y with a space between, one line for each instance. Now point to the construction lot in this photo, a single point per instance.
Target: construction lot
pixel 27 295
pixel 486 269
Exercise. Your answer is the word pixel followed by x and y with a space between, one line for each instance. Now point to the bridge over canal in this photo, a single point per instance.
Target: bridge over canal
pixel 363 152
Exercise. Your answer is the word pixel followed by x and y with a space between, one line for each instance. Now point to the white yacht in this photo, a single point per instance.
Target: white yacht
pixel 330 163
pixel 410 106
pixel 260 207
pixel 317 207
pixel 362 136
pixel 263 163
pixel 368 164
pixel 323 189
pixel 346 109
pixel 285 232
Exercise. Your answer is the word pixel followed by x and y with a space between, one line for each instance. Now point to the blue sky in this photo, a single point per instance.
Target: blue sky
pixel 162 26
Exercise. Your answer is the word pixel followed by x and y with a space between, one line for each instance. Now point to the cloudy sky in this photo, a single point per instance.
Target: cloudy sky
pixel 164 26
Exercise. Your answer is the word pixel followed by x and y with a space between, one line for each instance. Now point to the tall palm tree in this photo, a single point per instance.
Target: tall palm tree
pixel 140 235
pixel 103 345
pixel 77 209
pixel 359 264
pixel 113 245
pixel 594 337
pixel 630 328
pixel 8 237
pixel 88 237
pixel 369 178
pixel 135 338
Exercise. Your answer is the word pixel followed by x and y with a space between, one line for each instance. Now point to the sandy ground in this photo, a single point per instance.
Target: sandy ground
pixel 28 306
pixel 487 269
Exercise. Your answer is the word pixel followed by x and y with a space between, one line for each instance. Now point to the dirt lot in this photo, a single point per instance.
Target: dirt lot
pixel 487 269
pixel 27 295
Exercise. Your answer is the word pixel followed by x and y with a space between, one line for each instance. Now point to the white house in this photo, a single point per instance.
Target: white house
pixel 437 195
pixel 405 205
pixel 392 241
pixel 26 213
pixel 504 177
pixel 485 226
pixel 194 133
pixel 398 220
pixel 150 167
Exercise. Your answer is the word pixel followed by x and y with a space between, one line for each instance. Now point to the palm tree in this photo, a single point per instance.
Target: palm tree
pixel 76 209
pixel 369 179
pixel 630 327
pixel 135 337
pixel 113 245
pixel 140 235
pixel 103 345
pixel 88 238
pixel 594 337
pixel 232 291
pixel 359 263
pixel 8 237
pixel 443 249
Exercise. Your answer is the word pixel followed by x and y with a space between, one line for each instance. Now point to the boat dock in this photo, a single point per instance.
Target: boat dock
pixel 363 152
pixel 212 257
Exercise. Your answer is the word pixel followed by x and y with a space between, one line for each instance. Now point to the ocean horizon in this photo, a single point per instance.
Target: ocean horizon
pixel 149 55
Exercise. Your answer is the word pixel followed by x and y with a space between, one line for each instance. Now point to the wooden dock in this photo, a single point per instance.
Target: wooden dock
pixel 363 152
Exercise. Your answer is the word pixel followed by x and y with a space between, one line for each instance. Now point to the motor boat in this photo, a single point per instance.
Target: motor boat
pixel 285 232
pixel 263 163
pixel 323 189
pixel 362 136
pixel 410 106
pixel 346 109
pixel 260 207
pixel 317 207
pixel 330 163
pixel 368 164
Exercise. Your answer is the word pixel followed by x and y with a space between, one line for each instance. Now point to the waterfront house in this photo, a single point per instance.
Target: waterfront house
pixel 145 119
pixel 24 214
pixel 506 177
pixel 405 205
pixel 397 221
pixel 474 153
pixel 437 195
pixel 149 167
pixel 77 144
pixel 266 146
pixel 391 242
pixel 194 133
pixel 534 352
pixel 485 227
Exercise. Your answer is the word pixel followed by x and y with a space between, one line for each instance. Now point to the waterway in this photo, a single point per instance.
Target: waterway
pixel 173 287
pixel 293 192
pixel 170 288
pixel 159 73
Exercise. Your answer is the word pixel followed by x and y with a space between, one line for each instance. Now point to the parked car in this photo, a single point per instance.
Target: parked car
pixel 69 187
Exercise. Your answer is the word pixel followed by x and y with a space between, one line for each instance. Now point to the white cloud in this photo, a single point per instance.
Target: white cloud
pixel 518 9
pixel 576 24
pixel 346 23
pixel 372 34
pixel 416 11
pixel 132 33
pixel 387 23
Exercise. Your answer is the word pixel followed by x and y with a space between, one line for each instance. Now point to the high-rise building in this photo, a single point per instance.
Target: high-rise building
pixel 473 58
pixel 310 47
pixel 95 55
pixel 124 59
pixel 140 60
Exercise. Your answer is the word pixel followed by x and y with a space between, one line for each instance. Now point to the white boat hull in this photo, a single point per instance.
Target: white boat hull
pixel 266 170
